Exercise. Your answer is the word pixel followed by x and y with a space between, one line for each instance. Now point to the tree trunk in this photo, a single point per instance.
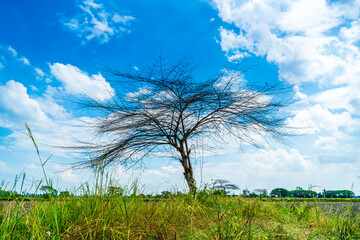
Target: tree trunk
pixel 188 173
pixel 186 163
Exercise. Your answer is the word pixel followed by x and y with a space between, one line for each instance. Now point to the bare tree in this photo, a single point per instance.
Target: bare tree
pixel 171 110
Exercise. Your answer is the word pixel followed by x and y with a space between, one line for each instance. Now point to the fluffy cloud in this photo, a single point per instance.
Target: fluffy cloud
pixel 51 123
pixel 78 82
pixel 317 118
pixel 326 143
pixel 66 174
pixel 343 98
pixel 52 108
pixel 316 42
pixel 292 34
pixel 18 106
pixel 298 94
pixel 98 22
pixel 351 34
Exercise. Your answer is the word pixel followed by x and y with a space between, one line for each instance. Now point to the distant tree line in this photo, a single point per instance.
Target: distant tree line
pixel 302 193
pixel 45 192
pixel 218 187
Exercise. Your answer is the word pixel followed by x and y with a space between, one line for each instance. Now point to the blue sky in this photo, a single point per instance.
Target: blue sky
pixel 53 51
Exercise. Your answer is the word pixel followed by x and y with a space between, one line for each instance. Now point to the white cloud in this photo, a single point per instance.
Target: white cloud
pixel 52 108
pixel 236 56
pixel 351 34
pixel 19 106
pixel 33 88
pixel 122 19
pixel 2 164
pixel 25 61
pixel 295 35
pixel 12 51
pixel 141 91
pixel 66 174
pixel 78 82
pixel 156 173
pixel 342 98
pixel 171 169
pixel 298 94
pixel 22 59
pixel 308 16
pixel 39 73
pixel 315 119
pixel 278 160
pixel 5 168
pixel 92 4
pixel 32 166
pixel 72 24
pixel 98 22
pixel 51 124
pixel 326 143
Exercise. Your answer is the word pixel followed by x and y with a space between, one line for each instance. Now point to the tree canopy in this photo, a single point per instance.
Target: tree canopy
pixel 279 192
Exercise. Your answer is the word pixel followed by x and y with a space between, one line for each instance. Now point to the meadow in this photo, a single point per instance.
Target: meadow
pixel 198 216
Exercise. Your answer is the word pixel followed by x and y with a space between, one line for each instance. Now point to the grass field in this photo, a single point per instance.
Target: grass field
pixel 202 216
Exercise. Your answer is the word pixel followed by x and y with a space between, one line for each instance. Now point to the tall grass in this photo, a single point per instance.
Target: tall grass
pixel 98 215
pixel 179 217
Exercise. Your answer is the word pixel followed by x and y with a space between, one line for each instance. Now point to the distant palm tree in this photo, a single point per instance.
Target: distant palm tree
pixel 223 185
